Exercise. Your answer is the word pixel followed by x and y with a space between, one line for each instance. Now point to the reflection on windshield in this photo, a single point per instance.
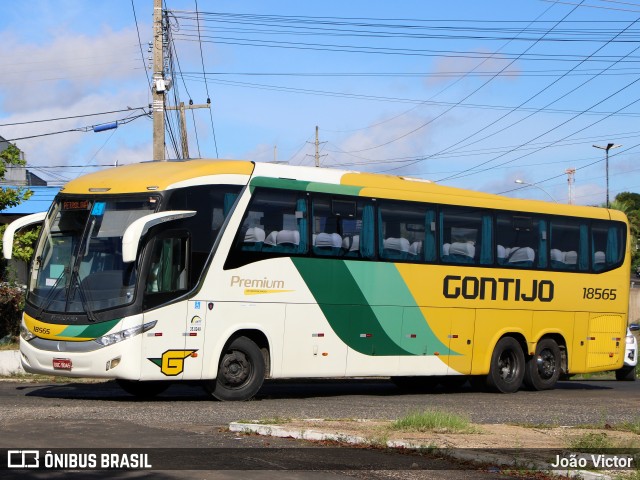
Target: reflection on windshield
pixel 78 266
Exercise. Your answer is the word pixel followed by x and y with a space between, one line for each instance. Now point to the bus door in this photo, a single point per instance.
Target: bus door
pixel 165 352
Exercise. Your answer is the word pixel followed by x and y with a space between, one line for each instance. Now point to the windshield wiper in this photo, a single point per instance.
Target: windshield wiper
pixel 49 297
pixel 75 277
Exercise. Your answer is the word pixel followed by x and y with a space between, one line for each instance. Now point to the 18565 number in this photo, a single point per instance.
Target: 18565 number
pixel 599 293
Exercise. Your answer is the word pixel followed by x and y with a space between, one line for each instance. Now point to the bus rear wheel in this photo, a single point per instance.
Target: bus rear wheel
pixel 507 366
pixel 543 369
pixel 240 371
pixel 143 389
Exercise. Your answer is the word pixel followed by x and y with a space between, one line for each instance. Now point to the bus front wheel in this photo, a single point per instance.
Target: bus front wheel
pixel 507 366
pixel 543 369
pixel 240 371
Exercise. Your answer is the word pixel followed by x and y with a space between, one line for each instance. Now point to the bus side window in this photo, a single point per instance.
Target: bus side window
pixel 521 241
pixel 569 240
pixel 466 236
pixel 276 222
pixel 325 227
pixel 606 245
pixel 168 271
pixel 402 232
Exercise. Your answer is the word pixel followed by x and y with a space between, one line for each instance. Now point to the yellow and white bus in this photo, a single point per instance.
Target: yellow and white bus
pixel 231 272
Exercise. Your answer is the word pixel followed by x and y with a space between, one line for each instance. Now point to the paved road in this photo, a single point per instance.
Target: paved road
pixel 79 415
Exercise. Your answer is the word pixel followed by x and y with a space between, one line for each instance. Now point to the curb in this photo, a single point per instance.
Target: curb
pixel 10 362
pixel 460 454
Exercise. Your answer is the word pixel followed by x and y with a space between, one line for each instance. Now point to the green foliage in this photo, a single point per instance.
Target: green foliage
pixel 10 156
pixel 11 305
pixel 591 441
pixel 629 204
pixel 632 199
pixel 10 197
pixel 433 421
pixel 23 243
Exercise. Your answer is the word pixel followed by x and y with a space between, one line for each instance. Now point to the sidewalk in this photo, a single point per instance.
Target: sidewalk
pixel 504 447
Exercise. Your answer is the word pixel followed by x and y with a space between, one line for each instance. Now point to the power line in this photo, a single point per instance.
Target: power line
pixel 467 96
pixel 71 117
pixel 79 129
pixel 530 115
pixel 213 130
pixel 144 65
pixel 380 98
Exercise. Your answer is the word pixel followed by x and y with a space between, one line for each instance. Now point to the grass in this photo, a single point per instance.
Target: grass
pixel 591 441
pixel 631 426
pixel 433 421
pixel 10 346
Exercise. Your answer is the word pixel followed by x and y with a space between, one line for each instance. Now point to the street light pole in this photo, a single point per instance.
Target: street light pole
pixel 522 182
pixel 606 149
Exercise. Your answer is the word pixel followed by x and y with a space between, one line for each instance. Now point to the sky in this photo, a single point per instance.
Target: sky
pixel 471 94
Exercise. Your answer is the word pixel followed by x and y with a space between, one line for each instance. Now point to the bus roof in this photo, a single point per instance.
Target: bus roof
pixel 154 176
pixel 158 176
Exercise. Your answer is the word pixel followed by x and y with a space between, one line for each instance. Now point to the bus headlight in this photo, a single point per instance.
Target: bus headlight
pixel 117 337
pixel 25 334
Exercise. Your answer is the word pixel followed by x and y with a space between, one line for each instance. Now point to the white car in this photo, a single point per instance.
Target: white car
pixel 628 370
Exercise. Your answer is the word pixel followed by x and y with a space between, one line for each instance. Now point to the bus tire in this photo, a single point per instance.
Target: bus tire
pixel 626 373
pixel 240 371
pixel 143 389
pixel 507 366
pixel 543 369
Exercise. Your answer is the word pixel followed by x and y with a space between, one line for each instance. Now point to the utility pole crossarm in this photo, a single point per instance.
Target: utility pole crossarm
pixel 183 124
pixel 317 144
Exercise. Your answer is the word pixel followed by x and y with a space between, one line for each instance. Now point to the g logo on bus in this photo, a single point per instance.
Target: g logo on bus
pixel 172 361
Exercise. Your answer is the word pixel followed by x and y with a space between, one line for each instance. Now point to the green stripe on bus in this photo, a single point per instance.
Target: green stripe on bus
pixel 387 287
pixel 369 307
pixel 345 307
pixel 304 186
pixel 89 331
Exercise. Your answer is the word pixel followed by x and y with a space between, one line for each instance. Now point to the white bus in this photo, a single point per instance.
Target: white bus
pixel 231 272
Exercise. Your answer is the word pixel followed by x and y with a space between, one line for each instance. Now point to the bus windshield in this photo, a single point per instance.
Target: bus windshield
pixel 78 262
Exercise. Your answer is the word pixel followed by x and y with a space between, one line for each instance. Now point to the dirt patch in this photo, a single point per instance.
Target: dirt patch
pixel 484 436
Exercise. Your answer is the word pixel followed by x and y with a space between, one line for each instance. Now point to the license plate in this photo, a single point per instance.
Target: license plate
pixel 62 363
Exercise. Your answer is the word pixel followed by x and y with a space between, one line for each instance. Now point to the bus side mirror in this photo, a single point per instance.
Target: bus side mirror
pixel 13 227
pixel 135 231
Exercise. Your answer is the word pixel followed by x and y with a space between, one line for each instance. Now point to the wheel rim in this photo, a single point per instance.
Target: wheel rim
pixel 236 369
pixel 546 362
pixel 508 365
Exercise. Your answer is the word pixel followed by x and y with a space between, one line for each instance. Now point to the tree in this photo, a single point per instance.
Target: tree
pixel 630 198
pixel 10 197
pixel 629 204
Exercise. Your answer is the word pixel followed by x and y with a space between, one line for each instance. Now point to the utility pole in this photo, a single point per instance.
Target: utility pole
pixel 158 86
pixel 317 144
pixel 183 124
pixel 571 172
pixel 606 149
